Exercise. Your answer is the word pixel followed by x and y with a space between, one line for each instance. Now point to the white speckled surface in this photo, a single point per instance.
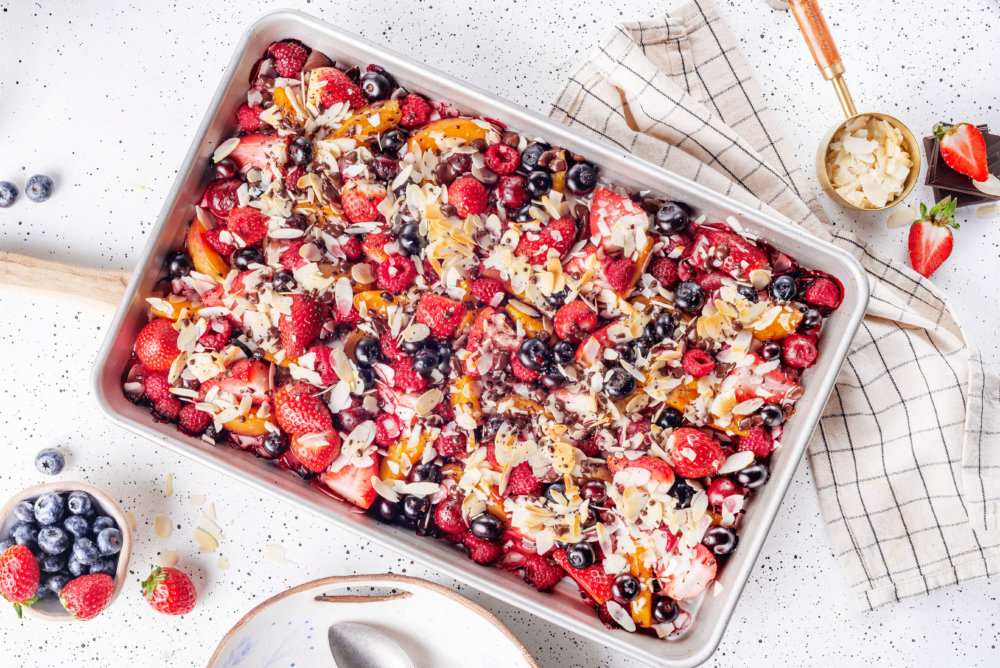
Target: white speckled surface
pixel 104 98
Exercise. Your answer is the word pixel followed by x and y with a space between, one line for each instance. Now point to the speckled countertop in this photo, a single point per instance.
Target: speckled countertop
pixel 105 97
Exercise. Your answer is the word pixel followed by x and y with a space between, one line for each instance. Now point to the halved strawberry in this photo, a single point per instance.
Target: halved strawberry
pixel 964 150
pixel 316 451
pixel 741 256
pixel 930 241
pixel 684 583
pixel 329 86
pixel 360 199
pixel 774 386
pixel 558 234
pixel 441 314
pixel 248 223
pixel 694 454
pixel 156 345
pixel 255 150
pixel 353 482
pixel 592 580
pixel 299 410
pixel 660 471
pixel 243 378
pixel 299 328
pixel 613 217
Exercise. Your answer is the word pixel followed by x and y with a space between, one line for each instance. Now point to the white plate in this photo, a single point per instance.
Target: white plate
pixel 436 626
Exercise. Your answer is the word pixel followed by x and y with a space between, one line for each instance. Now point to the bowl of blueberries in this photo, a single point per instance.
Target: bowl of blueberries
pixel 72 529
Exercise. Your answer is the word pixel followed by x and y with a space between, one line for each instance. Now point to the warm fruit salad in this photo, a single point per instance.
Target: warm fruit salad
pixel 469 333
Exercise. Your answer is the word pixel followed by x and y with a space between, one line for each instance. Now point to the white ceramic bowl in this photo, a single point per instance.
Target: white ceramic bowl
pixel 49 609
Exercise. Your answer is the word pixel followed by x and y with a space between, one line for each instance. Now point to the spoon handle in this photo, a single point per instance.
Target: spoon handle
pixel 818 37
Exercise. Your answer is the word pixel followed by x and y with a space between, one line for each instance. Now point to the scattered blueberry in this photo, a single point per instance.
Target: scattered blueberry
pixel 556 488
pixel 534 354
pixel 85 551
pixel 79 503
pixel 665 610
pixel 581 178
pixel 24 511
pixel 53 540
pixel 429 472
pixel 670 418
pixel 411 347
pixel 386 510
pixel 76 525
pixel 56 583
pixel 619 383
pixel 557 299
pixel 367 351
pixel 273 446
pixel 8 194
pixel 531 154
pixel 178 265
pixel 784 288
pixel 410 240
pixel 486 527
pixel 244 257
pixel 539 183
pixel 720 540
pixel 50 461
pixel 49 508
pixel 415 507
pixel 109 541
pixel 683 492
pixel 424 361
pixel 24 533
pixel 104 565
pixel 580 556
pixel 748 293
pixel 100 524
pixel 552 378
pixel 52 563
pixel 665 326
pixel 564 352
pixel 301 151
pixel 38 188
pixel 811 319
pixel 283 281
pixel 753 476
pixel 392 141
pixel 772 415
pixel 671 218
pixel 523 215
pixel 770 350
pixel 624 588
pixel 75 567
pixel 689 297
pixel 367 377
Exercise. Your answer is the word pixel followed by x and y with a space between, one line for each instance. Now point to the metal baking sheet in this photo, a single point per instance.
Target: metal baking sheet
pixel 700 641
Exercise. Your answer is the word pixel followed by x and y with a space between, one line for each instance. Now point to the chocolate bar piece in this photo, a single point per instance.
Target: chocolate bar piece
pixel 947 181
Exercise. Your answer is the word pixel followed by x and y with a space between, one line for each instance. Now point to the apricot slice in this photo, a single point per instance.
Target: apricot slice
pixel 465 397
pixel 398 451
pixel 374 302
pixel 446 128
pixel 367 123
pixel 682 395
pixel 641 606
pixel 204 259
pixel 248 425
pixel 786 323
pixel 173 312
pixel 532 325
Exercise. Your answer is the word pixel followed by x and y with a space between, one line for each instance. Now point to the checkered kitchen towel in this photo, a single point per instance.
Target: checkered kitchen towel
pixel 906 458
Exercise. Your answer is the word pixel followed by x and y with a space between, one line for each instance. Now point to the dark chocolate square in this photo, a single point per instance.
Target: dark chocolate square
pixel 962 198
pixel 941 176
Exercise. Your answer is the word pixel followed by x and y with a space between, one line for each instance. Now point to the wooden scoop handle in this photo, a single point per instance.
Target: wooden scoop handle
pixel 95 288
pixel 817 35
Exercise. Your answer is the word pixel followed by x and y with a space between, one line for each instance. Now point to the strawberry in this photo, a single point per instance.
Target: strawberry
pixel 335 87
pixel 289 57
pixel 405 378
pixel 592 580
pixel 486 290
pixel 542 573
pixel 694 454
pixel 352 248
pixel 415 111
pixel 930 241
pixel 353 483
pixel 824 292
pixel 19 576
pixel 665 271
pixel 685 583
pixel 491 455
pixel 217 334
pixel 86 596
pixel 291 258
pixel 248 223
pixel 697 363
pixel 798 351
pixel 711 281
pixel 618 274
pixel 192 419
pixel 558 234
pixel 723 488
pixel 774 385
pixel 360 199
pixel 169 591
pixel 610 211
pixel 374 246
pixel 448 515
pixel 659 470
pixel 522 372
pixel 396 274
pixel 441 314
pixel 211 237
pixel 481 551
pixel 758 441
pixel 168 408
pixel 387 429
pixel 963 149
pixel 316 451
pixel 244 377
pixel 155 385
pixel 741 256
pixel 678 246
pixel 156 345
pixel 575 320
pixel 248 117
pixel 390 348
pixel 299 411
pixel 301 326
pixel 254 150
pixel 522 480
pixel 323 365
pixel 468 196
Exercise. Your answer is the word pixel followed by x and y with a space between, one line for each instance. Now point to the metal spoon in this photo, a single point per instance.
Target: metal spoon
pixel 360 646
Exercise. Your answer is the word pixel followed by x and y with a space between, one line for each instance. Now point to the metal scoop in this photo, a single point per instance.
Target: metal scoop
pixel 817 35
pixel 361 646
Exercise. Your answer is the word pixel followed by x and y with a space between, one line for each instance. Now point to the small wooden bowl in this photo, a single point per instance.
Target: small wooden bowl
pixel 49 609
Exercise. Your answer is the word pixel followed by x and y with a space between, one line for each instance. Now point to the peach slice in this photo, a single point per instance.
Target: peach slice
pixel 205 260
pixel 463 128
pixel 642 605
pixel 367 123
pixel 532 325
pixel 786 323
pixel 393 467
pixel 374 302
pixel 682 395
pixel 249 425
pixel 465 396
pixel 175 308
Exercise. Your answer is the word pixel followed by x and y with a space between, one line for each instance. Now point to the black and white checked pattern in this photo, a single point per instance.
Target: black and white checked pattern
pixel 906 458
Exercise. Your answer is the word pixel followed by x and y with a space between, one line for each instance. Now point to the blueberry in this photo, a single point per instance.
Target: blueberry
pixel 753 476
pixel 85 551
pixel 557 299
pixel 670 418
pixel 56 583
pixel 53 539
pixel 689 297
pixel 24 533
pixel 38 188
pixel 534 354
pixel 671 218
pixel 52 563
pixel 424 361
pixel 749 293
pixel 6 544
pixel 283 281
pixel 563 352
pixel 665 610
pixel 624 588
pixel 770 350
pixel 524 215
pixel 8 194
pixel 367 351
pixel 301 151
pixel 385 510
pixel 531 153
pixel 444 351
pixel 49 508
pixel 50 461
pixel 784 288
pixel 414 508
pixel 375 85
pixel 104 565
pixel 177 265
pixel 75 567
pixel 100 524
pixel 720 540
pixel 556 488
pixel 683 492
pixel 109 541
pixel 24 511
pixel 619 384
pixel 273 446
pixel 772 415
pixel 486 527
pixel 581 178
pixel 580 556
pixel 444 366
pixel 410 240
pixel 76 525
pixel 367 377
pixel 811 319
pixel 429 472
pixel 244 257
pixel 460 163
pixel 392 141
pixel 539 183
pixel 665 326
pixel 552 378
pixel 79 503
pixel 411 347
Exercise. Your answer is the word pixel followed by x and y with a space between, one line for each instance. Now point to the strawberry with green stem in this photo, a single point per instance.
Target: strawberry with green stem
pixel 963 149
pixel 930 241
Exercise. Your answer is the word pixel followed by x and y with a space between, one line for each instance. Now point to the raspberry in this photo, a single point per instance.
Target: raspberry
pixel 664 270
pixel 522 372
pixel 193 420
pixel 758 441
pixel 168 408
pixel 351 317
pixel 352 248
pixel 468 196
pixel 217 334
pixel 248 117
pixel 390 349
pixel 541 573
pixel 323 365
pixel 223 248
pixel 798 351
pixel 448 515
pixel 618 274
pixel 823 292
pixel 575 320
pixel 589 446
pixel 486 289
pixel 289 57
pixel 502 159
pixel 415 111
pixel 396 274
pixel 697 363
pixel 405 378
pixel 639 426
pixel 681 243
pixel 387 429
pixel 248 224
pixel 291 179
pixel 522 480
pixel 449 445
pixel 481 551
pixel 155 385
